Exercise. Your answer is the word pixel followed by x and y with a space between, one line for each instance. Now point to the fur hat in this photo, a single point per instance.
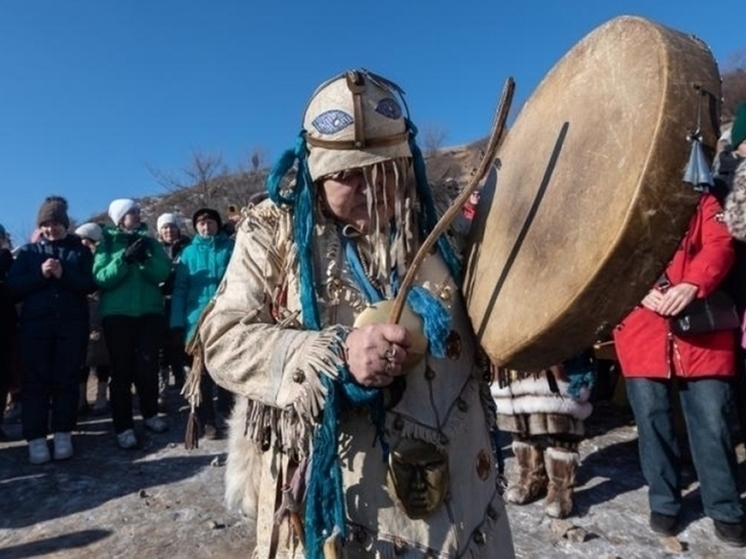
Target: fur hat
pixel 90 231
pixel 738 130
pixel 53 209
pixel 354 120
pixel 208 213
pixel 167 219
pixel 120 207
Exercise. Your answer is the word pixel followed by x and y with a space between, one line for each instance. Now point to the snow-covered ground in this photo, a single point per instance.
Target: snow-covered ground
pixel 163 501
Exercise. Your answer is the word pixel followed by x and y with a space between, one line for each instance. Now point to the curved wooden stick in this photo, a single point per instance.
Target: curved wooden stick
pixel 490 152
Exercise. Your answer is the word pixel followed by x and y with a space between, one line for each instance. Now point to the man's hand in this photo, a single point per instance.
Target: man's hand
pixel 48 267
pixel 375 353
pixel 56 268
pixel 676 298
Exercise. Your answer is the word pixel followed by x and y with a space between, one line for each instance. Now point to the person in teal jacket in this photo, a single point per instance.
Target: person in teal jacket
pixel 129 267
pixel 198 273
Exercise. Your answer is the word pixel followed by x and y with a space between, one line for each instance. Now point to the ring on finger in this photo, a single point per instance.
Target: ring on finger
pixel 389 354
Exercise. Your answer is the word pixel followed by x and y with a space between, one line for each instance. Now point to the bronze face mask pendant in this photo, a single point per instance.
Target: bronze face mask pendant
pixel 418 477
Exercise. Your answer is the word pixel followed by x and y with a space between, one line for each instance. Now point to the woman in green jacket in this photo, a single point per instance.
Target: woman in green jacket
pixel 129 267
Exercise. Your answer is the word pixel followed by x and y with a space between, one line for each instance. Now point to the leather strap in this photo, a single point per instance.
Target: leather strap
pixel 354 144
pixel 356 85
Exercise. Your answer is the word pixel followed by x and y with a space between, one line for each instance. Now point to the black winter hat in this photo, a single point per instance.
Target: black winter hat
pixel 53 209
pixel 209 213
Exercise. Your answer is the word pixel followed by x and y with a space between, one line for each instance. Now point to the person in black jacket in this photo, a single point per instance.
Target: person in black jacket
pixel 172 354
pixel 52 278
pixel 8 325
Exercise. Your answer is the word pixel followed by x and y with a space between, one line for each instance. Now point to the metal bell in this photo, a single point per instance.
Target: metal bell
pixel 697 172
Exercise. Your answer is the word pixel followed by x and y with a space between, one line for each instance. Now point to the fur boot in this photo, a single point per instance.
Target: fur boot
pixel 561 466
pixel 532 477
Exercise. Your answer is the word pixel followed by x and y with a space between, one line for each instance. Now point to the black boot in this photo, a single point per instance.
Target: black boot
pixel 732 533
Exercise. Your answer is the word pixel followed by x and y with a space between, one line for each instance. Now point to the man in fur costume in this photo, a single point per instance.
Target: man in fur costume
pixel 545 412
pixel 378 439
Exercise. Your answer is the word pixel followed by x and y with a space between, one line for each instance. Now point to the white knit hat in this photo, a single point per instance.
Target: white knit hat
pixel 89 230
pixel 119 208
pixel 353 121
pixel 166 219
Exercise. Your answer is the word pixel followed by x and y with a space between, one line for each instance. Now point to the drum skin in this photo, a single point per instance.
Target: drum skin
pixel 590 205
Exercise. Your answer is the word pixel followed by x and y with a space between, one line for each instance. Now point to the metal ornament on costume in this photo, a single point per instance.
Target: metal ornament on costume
pixel 698 170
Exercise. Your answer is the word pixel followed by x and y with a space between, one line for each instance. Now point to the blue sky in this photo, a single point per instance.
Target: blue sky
pixel 93 93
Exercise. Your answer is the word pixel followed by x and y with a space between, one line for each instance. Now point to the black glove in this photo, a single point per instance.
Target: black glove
pixel 137 251
pixel 143 251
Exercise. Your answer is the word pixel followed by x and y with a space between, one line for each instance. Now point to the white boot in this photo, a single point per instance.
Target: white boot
pixel 63 446
pixel 99 406
pixel 38 451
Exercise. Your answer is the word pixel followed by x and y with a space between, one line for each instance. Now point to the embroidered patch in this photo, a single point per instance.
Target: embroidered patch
pixel 331 122
pixel 389 108
pixel 484 465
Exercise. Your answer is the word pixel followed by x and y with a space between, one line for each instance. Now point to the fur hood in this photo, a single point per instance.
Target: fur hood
pixel 735 204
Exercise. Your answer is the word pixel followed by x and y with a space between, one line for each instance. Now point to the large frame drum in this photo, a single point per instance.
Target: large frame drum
pixel 590 205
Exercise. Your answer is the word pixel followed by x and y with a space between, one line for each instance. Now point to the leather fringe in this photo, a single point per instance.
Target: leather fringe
pixel 191 440
pixel 193 394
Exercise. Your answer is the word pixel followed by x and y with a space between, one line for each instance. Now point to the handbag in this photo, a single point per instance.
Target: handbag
pixel 715 312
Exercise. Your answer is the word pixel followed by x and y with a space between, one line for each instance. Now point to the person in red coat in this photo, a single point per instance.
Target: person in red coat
pixel 653 359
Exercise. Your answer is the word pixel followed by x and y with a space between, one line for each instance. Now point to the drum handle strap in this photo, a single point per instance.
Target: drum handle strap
pixel 490 152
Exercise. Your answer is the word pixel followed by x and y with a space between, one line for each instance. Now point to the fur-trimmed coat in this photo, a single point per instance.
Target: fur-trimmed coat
pixel 533 404
pixel 255 347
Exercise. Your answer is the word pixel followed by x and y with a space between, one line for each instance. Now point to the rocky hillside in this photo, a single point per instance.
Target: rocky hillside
pixel 448 170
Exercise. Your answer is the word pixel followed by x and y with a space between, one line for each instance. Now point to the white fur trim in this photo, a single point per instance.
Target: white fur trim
pixel 533 395
pixel 534 386
pixel 562 456
pixel 535 404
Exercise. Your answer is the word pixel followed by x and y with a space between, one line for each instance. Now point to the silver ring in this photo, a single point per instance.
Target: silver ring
pixel 390 354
